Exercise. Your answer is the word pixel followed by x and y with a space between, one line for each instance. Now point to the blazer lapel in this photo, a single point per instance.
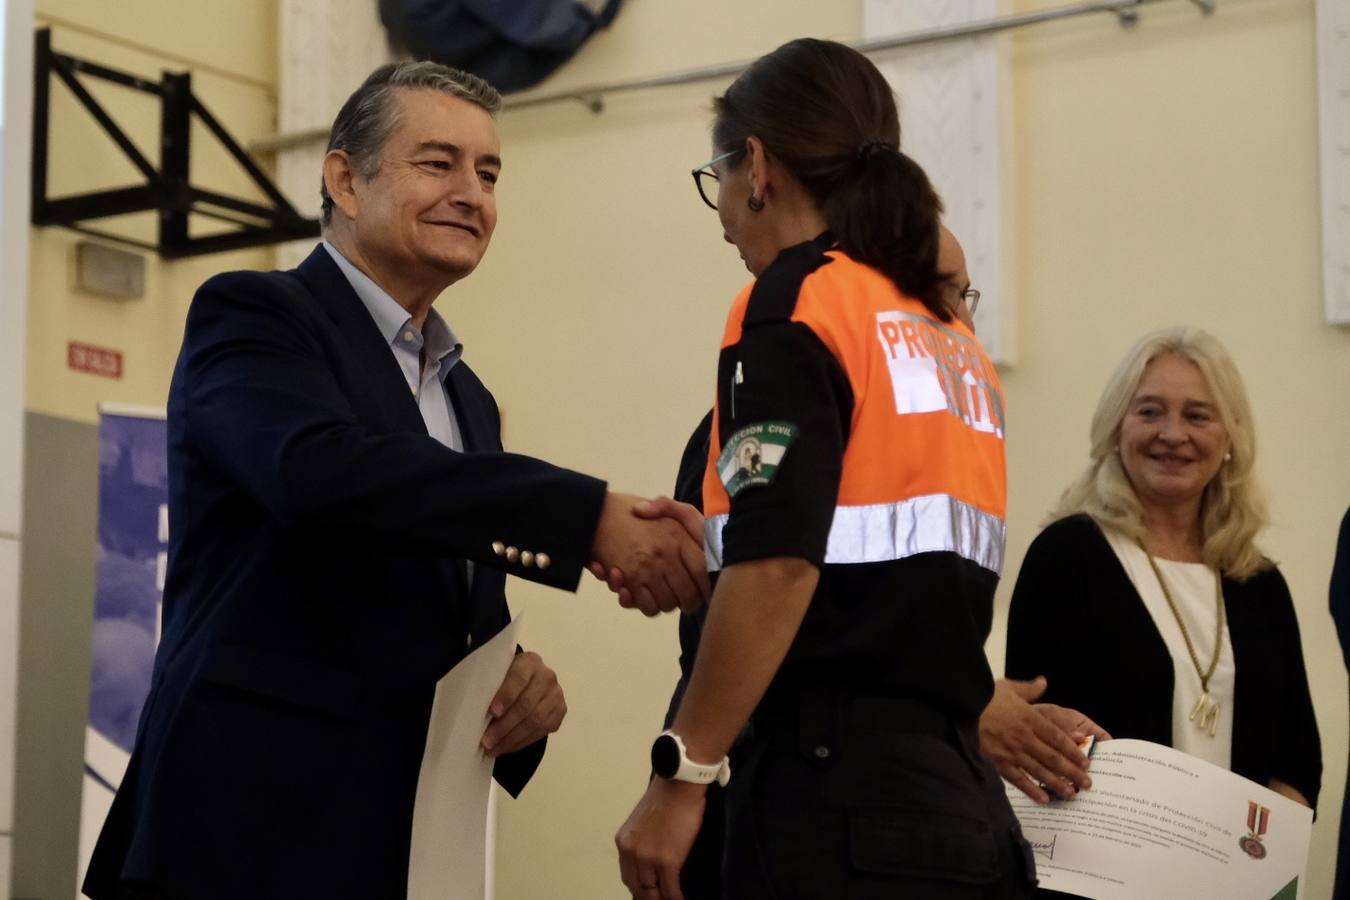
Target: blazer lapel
pixel 473 411
pixel 467 397
pixel 367 351
pixel 460 408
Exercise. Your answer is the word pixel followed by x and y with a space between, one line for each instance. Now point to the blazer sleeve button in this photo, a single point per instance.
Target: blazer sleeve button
pixel 512 554
pixel 526 558
pixel 499 548
pixel 542 560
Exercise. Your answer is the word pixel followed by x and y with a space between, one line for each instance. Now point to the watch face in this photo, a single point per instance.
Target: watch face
pixel 665 756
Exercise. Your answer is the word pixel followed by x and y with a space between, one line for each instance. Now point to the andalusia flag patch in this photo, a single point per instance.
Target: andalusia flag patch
pixel 752 456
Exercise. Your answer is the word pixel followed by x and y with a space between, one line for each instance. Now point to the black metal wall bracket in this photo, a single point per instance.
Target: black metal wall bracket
pixel 166 189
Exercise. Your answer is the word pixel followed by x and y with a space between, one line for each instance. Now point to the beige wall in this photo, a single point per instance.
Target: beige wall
pixel 15 111
pixel 1170 176
pixel 1163 175
pixel 233 57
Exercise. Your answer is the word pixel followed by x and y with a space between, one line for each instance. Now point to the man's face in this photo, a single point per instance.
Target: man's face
pixel 431 206
pixel 952 261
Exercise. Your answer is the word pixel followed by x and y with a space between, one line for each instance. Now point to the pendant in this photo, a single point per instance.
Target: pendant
pixel 1206 714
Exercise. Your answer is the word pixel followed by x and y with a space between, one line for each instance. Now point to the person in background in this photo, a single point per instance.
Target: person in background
pixel 1034 745
pixel 701 875
pixel 1146 597
pixel 854 487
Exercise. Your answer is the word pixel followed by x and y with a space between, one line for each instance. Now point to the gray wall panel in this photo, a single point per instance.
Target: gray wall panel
pixel 56 600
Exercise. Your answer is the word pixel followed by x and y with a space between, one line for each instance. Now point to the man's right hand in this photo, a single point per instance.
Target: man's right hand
pixel 660 558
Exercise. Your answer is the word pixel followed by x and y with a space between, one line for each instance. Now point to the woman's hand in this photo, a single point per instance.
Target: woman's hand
pixel 1036 745
pixel 1288 790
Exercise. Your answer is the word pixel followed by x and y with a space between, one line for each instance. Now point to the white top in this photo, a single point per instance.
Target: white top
pixel 1192 587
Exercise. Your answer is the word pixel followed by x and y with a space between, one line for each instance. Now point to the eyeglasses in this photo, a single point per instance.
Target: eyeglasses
pixel 705 177
pixel 972 297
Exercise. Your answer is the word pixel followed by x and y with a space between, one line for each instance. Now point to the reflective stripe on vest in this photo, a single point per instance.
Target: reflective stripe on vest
pixel 883 532
pixel 924 466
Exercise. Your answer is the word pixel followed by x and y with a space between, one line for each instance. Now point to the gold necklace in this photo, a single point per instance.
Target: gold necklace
pixel 1206 711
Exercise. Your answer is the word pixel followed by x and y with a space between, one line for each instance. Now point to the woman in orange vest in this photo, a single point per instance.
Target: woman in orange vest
pixel 855 492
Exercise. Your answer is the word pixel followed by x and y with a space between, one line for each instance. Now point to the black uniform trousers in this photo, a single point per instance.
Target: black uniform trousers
pixel 866 799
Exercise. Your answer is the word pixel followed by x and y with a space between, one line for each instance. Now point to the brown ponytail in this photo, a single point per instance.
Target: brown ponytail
pixel 828 116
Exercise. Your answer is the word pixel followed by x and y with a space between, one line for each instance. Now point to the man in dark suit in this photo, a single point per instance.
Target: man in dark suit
pixel 343 520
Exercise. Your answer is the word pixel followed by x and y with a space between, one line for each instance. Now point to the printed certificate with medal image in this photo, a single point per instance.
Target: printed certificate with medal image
pixel 1159 823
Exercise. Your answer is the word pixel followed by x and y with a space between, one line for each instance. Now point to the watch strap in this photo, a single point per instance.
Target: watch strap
pixel 697 773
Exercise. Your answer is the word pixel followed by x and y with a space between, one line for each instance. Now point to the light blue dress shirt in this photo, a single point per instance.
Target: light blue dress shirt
pixel 425 357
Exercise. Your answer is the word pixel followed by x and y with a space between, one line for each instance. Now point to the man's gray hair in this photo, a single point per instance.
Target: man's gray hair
pixel 370 114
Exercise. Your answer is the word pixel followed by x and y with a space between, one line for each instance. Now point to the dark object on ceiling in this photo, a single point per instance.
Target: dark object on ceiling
pixel 514 44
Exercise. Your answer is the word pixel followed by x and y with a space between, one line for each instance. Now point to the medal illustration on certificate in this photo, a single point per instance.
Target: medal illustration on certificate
pixel 1258 818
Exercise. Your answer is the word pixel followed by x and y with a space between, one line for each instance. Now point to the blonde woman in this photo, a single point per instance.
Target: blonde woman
pixel 1146 602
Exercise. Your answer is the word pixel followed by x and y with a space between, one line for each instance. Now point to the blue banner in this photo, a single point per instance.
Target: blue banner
pixel 133 534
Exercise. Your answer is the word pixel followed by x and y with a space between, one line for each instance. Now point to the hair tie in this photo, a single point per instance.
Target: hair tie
pixel 869 149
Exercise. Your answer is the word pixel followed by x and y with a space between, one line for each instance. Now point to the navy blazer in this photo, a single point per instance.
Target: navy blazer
pixel 316 592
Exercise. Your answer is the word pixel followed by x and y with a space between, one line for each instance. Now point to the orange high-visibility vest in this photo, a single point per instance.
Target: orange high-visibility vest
pixel 924 468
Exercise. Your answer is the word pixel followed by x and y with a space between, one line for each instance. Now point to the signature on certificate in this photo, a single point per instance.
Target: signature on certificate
pixel 1045 848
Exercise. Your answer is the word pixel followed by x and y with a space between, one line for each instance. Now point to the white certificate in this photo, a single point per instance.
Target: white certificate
pixel 448 860
pixel 1161 824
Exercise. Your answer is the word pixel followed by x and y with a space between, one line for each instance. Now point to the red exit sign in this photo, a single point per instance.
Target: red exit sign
pixel 94 360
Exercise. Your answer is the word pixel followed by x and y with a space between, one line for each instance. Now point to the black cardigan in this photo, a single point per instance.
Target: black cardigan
pixel 1077 619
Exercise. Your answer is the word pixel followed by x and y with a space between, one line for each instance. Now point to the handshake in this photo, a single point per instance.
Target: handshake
pixel 650 553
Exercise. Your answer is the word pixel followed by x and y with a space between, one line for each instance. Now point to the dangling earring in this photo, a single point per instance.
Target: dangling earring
pixel 755 204
pixel 1228 457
